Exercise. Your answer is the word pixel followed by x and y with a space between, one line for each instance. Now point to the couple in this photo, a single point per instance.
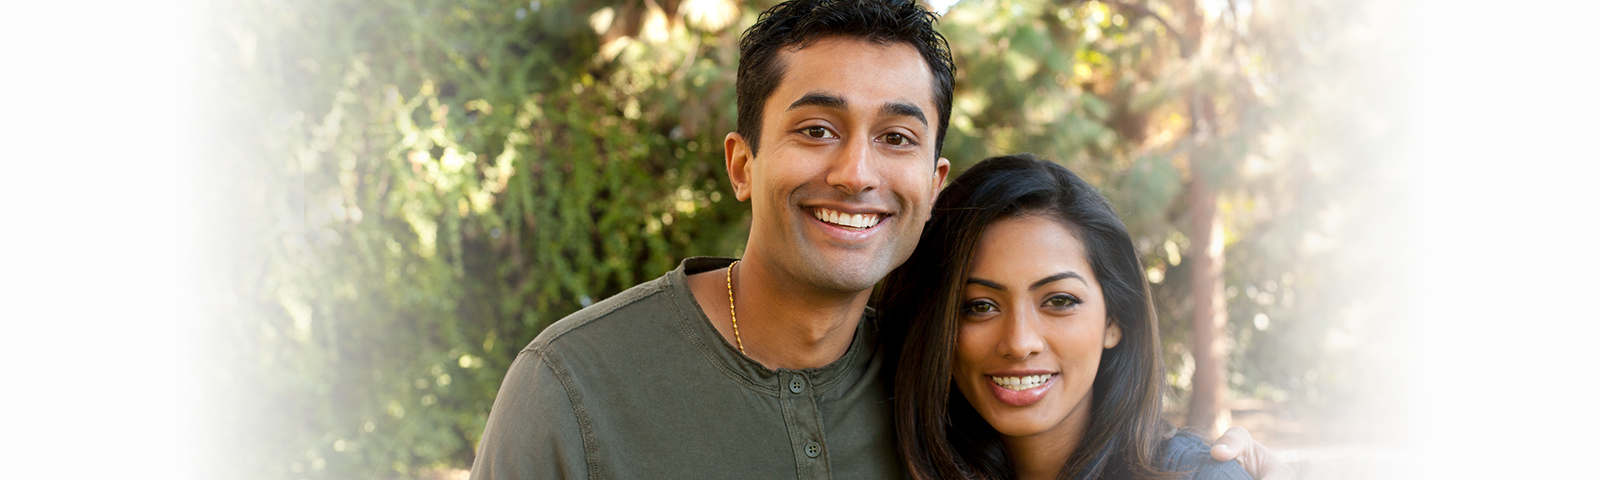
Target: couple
pixel 1025 294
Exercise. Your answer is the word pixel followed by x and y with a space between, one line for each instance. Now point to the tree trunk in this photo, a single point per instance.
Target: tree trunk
pixel 1207 413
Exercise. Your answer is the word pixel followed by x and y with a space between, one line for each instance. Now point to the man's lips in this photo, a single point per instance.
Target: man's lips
pixel 846 219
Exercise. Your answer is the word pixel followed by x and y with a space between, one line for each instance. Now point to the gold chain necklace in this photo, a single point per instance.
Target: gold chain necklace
pixel 731 313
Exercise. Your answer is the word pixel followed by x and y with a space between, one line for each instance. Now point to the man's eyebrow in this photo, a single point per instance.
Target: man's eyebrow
pixel 828 100
pixel 819 99
pixel 1045 281
pixel 900 109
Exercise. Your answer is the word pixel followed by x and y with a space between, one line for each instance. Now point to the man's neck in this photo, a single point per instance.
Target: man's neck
pixel 782 325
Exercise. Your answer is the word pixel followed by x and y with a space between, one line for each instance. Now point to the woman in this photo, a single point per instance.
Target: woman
pixel 1027 296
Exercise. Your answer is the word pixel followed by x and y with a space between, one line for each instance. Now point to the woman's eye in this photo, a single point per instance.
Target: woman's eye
pixel 1061 301
pixel 817 132
pixel 897 139
pixel 978 308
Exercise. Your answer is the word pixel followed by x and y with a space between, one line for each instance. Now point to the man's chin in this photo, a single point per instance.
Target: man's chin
pixel 849 275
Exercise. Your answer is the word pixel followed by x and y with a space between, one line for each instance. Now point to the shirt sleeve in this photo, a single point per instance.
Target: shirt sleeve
pixel 1214 470
pixel 533 429
pixel 1186 452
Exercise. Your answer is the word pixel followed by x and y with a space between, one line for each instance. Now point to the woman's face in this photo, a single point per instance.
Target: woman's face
pixel 1032 327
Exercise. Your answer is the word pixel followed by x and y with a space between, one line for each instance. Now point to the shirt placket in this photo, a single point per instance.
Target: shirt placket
pixel 800 415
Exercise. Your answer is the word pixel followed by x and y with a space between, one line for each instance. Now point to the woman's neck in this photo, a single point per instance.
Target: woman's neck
pixel 1042 456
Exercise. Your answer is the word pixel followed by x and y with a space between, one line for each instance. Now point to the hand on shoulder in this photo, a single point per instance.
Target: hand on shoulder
pixel 1257 460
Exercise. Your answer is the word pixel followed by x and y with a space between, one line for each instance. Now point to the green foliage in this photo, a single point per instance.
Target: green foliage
pixel 1244 98
pixel 424 185
pixel 429 185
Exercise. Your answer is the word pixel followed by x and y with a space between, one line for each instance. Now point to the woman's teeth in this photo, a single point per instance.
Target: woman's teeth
pixel 1021 383
pixel 860 220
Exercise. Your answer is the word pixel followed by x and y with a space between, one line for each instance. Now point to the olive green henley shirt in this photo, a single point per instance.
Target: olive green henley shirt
pixel 641 385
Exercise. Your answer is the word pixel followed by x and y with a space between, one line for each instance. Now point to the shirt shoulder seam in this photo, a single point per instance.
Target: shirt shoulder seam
pixel 584 317
pixel 585 426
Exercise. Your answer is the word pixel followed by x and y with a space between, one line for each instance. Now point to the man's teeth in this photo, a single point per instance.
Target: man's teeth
pixel 860 220
pixel 1021 383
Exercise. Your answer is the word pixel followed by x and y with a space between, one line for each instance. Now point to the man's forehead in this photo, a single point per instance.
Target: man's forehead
pixel 827 72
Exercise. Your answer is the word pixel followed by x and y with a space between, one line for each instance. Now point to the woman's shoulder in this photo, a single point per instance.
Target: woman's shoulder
pixel 1187 452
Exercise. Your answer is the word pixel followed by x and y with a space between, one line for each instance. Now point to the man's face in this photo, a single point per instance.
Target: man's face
pixel 846 175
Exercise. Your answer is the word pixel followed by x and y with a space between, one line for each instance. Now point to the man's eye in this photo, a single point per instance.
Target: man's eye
pixel 817 132
pixel 1061 301
pixel 897 139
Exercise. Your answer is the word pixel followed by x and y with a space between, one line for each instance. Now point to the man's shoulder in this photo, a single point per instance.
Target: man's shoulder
pixel 652 299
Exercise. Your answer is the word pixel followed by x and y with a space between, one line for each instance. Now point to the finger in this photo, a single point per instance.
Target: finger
pixel 1232 442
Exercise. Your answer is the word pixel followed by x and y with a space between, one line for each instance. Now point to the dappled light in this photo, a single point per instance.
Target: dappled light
pixel 430 184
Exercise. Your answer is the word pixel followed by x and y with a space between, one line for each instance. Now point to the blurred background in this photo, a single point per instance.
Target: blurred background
pixel 291 239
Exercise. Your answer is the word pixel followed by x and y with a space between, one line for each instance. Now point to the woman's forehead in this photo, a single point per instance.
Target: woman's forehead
pixel 1030 244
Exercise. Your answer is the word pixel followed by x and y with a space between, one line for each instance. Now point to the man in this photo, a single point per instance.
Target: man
pixel 766 367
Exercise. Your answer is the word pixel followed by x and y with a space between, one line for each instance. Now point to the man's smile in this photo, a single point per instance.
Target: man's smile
pixel 859 221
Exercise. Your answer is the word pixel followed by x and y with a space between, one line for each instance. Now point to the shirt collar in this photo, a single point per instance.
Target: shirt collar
pixel 725 356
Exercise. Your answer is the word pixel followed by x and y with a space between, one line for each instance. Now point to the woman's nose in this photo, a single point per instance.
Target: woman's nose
pixel 1022 338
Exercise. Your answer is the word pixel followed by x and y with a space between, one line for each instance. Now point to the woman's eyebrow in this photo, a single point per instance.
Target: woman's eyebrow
pixel 1057 277
pixel 1045 281
pixel 986 283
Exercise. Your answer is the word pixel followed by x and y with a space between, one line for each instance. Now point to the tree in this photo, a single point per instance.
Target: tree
pixel 420 186
pixel 423 186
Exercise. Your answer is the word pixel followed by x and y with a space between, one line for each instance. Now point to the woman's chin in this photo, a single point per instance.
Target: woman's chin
pixel 1028 421
pixel 1018 424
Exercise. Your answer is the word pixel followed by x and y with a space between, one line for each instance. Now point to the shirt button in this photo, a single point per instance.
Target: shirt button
pixel 796 386
pixel 813 449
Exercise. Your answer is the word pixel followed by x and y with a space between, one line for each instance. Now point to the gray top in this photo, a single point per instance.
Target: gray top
pixel 1187 452
pixel 641 385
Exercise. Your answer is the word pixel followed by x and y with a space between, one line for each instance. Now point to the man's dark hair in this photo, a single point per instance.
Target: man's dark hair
pixel 801 22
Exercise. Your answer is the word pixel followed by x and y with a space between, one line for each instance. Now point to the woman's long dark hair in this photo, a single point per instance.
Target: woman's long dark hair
pixel 939 434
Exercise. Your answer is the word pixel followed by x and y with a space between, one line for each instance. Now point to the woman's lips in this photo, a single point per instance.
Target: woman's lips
pixel 1021 398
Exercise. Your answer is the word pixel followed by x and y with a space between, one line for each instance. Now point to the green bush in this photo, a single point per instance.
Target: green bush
pixel 420 186
pixel 426 185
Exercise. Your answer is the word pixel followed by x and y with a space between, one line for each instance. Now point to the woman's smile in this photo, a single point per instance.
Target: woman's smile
pixel 1021 390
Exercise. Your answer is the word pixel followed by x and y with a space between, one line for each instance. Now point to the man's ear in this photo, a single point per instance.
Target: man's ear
pixel 1113 334
pixel 738 159
pixel 941 169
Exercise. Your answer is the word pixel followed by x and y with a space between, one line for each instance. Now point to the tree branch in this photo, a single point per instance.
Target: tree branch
pixel 1141 10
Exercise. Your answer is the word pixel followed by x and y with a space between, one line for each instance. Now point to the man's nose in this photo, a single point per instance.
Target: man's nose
pixel 852 171
pixel 1022 337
